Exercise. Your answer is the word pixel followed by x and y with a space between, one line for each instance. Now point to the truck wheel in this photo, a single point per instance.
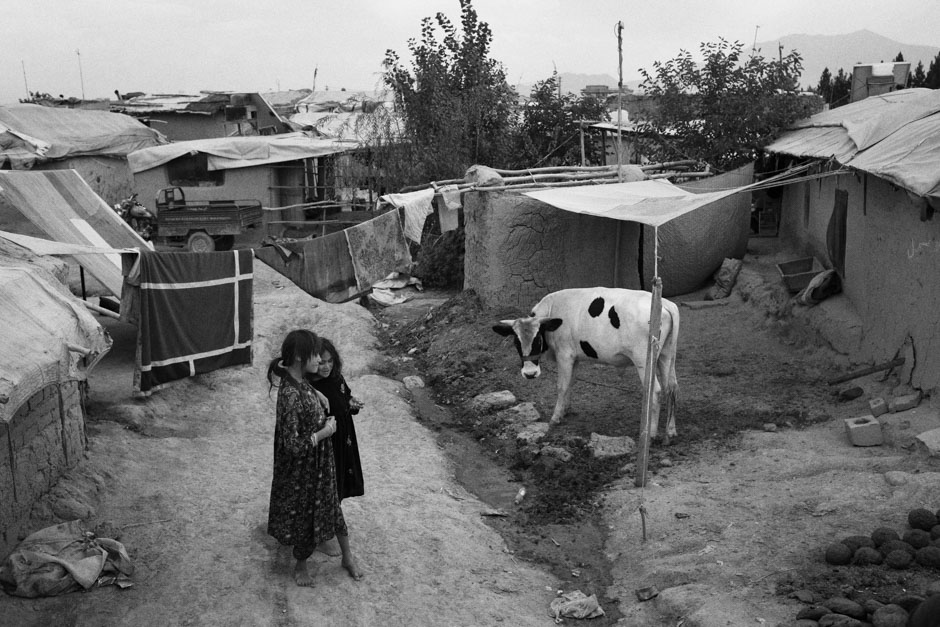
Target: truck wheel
pixel 224 242
pixel 200 242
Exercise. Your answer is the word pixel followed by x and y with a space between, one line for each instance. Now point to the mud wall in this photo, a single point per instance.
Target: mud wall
pixel 45 437
pixel 518 249
pixel 109 178
pixel 892 264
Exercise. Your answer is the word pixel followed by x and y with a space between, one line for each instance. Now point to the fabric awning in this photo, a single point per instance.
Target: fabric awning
pixel 652 202
pixel 226 153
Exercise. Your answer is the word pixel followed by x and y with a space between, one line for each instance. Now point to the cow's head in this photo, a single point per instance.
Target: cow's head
pixel 529 337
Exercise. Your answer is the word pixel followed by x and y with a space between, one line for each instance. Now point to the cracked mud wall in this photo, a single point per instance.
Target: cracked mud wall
pixel 892 264
pixel 519 249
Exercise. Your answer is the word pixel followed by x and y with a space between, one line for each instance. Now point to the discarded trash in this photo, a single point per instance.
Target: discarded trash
pixel 681 515
pixel 575 604
pixel 520 495
pixel 647 593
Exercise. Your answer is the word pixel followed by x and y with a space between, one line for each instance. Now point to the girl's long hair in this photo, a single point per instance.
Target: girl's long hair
pixel 299 344
pixel 337 371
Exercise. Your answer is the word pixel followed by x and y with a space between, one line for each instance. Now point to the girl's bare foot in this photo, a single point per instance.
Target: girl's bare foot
pixel 302 576
pixel 350 564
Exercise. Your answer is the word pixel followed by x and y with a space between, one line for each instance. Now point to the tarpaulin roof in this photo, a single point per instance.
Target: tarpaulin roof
pixel 47 333
pixel 31 133
pixel 895 136
pixel 66 209
pixel 226 153
pixel 652 202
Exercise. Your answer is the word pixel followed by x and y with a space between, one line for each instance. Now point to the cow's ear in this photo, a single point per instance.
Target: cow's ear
pixel 504 328
pixel 551 324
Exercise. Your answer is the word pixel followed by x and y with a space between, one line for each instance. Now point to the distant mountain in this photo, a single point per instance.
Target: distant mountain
pixel 845 51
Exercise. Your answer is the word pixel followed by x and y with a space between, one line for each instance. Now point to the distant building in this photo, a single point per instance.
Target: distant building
pixel 603 92
pixel 873 79
pixel 183 117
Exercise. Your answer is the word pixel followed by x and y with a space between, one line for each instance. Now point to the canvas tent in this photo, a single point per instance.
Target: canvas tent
pixel 54 338
pixel 32 133
pixel 66 209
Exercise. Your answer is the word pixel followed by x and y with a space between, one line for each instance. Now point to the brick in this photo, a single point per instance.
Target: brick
pixel 877 406
pixel 905 402
pixel 864 431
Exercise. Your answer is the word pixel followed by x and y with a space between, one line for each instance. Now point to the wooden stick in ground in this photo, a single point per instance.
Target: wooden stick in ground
pixel 894 363
pixel 652 352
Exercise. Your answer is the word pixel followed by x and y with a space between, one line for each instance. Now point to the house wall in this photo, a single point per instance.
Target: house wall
pixel 254 183
pixel 186 126
pixel 266 118
pixel 45 438
pixel 518 249
pixel 892 264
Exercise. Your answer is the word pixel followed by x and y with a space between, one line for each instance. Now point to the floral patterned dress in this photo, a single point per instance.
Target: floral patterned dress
pixel 304 509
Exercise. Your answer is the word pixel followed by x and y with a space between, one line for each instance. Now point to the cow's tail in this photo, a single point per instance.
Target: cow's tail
pixel 666 366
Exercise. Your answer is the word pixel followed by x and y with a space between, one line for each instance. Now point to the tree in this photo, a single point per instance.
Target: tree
pixel 549 133
pixel 919 78
pixel 841 89
pixel 723 110
pixel 899 58
pixel 455 100
pixel 932 78
pixel 824 88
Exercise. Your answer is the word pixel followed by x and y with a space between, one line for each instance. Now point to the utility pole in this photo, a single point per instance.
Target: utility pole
pixel 754 45
pixel 619 102
pixel 81 77
pixel 29 96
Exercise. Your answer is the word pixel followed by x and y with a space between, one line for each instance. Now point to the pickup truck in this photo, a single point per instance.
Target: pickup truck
pixel 203 225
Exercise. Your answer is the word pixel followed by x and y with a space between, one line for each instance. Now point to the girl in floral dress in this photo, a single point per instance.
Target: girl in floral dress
pixel 304 509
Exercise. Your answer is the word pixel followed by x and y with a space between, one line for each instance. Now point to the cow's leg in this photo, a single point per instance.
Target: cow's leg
pixel 565 374
pixel 654 398
pixel 667 374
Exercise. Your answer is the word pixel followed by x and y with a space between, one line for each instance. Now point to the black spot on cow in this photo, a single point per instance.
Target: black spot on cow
pixel 597 307
pixel 588 350
pixel 614 318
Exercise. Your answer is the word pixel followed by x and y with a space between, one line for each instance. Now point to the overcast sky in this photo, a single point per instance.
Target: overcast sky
pixel 184 47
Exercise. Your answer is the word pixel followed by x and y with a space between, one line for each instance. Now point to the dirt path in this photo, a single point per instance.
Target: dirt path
pixel 186 476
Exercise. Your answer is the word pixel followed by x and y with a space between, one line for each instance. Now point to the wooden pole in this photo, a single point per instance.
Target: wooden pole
pixel 652 351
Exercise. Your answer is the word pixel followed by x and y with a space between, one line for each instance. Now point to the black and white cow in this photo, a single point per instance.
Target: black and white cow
pixel 604 324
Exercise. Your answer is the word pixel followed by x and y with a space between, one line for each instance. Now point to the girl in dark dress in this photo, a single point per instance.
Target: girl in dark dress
pixel 304 509
pixel 343 406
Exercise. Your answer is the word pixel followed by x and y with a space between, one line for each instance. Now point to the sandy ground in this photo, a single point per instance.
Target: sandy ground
pixel 185 478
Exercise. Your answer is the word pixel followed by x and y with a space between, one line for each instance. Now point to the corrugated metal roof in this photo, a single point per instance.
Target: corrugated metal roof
pixel 895 136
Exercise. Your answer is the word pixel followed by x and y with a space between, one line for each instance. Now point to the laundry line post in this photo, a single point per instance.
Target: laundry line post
pixel 652 352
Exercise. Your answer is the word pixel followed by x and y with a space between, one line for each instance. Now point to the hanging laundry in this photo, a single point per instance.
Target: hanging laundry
pixel 449 208
pixel 418 206
pixel 195 314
